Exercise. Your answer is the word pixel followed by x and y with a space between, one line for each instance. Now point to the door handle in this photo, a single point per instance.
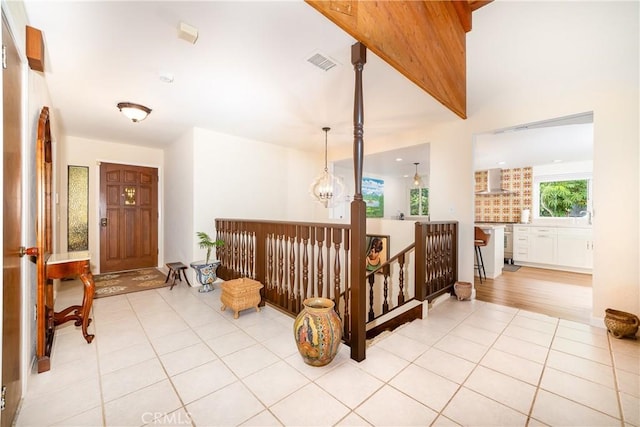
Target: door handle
pixel 22 251
pixel 103 222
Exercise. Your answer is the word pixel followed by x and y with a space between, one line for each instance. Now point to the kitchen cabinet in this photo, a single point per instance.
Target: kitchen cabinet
pixel 520 243
pixel 543 245
pixel 575 247
pixel 562 248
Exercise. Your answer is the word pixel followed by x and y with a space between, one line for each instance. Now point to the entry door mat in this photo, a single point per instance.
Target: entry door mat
pixel 110 284
pixel 510 267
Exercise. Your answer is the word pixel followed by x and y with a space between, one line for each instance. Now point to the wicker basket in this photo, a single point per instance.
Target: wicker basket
pixel 462 290
pixel 621 324
pixel 240 294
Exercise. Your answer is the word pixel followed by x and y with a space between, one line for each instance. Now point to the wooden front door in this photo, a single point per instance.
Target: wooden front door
pixel 12 217
pixel 128 217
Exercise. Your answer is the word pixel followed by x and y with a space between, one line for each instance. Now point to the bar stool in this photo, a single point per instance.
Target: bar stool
pixel 480 240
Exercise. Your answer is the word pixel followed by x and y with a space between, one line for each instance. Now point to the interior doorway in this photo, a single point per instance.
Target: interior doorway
pixel 531 159
pixel 128 217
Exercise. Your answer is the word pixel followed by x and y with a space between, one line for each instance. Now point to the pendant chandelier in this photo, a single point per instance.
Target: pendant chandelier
pixel 417 180
pixel 327 188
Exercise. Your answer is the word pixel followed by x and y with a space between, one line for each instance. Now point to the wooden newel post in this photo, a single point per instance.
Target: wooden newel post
pixel 358 215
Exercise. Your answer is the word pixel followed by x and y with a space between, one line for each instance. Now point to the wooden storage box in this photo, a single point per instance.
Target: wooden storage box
pixel 240 294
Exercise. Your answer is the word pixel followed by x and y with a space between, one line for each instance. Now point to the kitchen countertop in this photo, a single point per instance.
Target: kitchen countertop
pixel 583 226
pixel 486 226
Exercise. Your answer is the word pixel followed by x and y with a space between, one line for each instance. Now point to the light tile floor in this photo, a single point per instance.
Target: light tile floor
pixel 164 357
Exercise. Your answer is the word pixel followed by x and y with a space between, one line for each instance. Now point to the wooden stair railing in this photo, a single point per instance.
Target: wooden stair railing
pixel 299 260
pixel 294 261
pixel 389 278
pixel 437 246
pixel 431 266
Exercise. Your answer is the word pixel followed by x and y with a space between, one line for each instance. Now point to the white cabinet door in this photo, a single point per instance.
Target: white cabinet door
pixel 543 246
pixel 575 248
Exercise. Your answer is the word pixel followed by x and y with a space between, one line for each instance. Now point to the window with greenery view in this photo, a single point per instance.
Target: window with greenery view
pixel 419 202
pixel 564 198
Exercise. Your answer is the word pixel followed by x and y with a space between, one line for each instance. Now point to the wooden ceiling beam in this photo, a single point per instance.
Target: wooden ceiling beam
pixel 463 9
pixel 477 4
pixel 424 40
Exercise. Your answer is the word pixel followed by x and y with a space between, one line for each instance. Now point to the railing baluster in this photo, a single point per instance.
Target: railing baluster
pixel 401 279
pixel 297 280
pixel 326 292
pixel 346 320
pixel 385 304
pixel 337 240
pixel 292 269
pixel 236 256
pixel 311 292
pixel 305 262
pixel 252 261
pixel 269 284
pixel 243 249
pixel 280 271
pixel 372 280
pixel 320 239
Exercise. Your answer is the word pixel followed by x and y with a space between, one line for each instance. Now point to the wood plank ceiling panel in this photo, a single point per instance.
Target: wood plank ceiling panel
pixel 424 40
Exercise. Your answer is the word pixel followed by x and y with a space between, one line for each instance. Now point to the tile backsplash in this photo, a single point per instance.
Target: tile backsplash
pixel 504 207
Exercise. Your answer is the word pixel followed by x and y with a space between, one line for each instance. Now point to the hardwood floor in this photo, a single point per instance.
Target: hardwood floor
pixel 555 293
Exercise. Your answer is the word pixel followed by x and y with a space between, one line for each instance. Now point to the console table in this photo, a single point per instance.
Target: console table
pixel 62 266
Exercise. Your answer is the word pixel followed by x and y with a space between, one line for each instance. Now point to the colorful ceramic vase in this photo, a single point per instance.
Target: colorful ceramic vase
pixel 318 331
pixel 206 273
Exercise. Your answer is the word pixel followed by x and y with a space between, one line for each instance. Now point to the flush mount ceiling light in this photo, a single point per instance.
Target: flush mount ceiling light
pixel 327 188
pixel 417 181
pixel 135 112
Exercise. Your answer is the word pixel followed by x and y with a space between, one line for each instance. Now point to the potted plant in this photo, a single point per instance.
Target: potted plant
pixel 206 269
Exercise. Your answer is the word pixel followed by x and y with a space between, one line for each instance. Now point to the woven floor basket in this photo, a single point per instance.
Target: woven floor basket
pixel 621 324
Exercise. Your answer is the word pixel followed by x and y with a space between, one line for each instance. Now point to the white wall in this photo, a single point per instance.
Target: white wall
pixel 531 61
pixel 574 60
pixel 179 195
pixel 302 168
pixel 402 233
pixel 86 152
pixel 242 178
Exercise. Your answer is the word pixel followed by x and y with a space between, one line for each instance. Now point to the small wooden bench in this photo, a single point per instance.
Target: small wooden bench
pixel 175 268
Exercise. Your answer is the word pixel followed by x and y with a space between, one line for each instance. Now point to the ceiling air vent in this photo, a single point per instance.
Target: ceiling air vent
pixel 322 62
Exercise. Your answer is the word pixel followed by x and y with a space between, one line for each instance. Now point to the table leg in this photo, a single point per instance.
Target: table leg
pixel 176 274
pixel 184 273
pixel 87 302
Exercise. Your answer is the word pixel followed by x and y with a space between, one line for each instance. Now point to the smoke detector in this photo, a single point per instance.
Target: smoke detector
pixel 187 32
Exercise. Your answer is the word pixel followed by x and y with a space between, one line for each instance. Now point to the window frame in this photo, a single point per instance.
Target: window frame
pixel 555 177
pixel 420 210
